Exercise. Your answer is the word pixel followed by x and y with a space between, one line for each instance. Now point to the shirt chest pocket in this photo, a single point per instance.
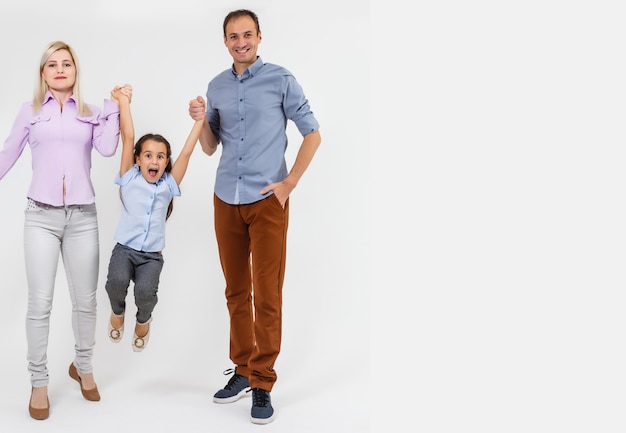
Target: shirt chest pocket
pixel 39 119
pixel 41 129
pixel 93 119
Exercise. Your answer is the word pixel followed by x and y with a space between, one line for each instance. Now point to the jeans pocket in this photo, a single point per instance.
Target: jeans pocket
pixel 32 206
pixel 87 209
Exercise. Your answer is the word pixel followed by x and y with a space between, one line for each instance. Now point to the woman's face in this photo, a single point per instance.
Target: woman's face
pixel 59 71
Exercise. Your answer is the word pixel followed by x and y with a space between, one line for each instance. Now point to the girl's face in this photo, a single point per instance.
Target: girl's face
pixel 59 71
pixel 152 160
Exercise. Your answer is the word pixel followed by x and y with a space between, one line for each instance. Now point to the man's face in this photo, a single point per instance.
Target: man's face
pixel 242 41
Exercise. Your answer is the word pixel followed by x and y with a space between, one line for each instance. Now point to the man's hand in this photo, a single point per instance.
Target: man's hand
pixel 281 191
pixel 197 108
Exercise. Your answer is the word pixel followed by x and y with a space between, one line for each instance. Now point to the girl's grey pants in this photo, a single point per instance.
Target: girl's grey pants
pixel 141 267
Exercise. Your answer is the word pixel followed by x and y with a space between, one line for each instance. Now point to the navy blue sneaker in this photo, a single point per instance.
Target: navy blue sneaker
pixel 262 410
pixel 236 388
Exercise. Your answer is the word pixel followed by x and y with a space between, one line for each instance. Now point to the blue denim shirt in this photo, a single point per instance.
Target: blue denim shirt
pixel 248 115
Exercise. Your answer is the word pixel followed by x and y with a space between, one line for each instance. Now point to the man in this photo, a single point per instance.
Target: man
pixel 246 110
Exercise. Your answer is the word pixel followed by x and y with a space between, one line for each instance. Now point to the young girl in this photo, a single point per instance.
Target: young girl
pixel 148 182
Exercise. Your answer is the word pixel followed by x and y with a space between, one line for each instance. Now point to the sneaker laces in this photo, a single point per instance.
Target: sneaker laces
pixel 260 397
pixel 233 380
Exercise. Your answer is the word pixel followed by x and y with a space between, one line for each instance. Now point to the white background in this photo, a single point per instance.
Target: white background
pixel 168 51
pixel 511 207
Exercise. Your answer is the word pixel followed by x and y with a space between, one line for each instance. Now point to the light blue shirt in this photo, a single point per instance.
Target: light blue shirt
pixel 248 115
pixel 144 207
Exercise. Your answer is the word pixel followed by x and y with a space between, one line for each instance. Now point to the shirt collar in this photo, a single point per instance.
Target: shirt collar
pixel 252 70
pixel 49 96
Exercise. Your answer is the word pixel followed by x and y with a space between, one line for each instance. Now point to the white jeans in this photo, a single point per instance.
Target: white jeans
pixel 73 232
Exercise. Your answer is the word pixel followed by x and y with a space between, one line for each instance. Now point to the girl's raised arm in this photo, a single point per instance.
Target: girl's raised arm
pixel 122 96
pixel 179 167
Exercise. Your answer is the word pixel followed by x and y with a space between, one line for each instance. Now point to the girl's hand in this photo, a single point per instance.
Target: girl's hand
pixel 127 90
pixel 122 91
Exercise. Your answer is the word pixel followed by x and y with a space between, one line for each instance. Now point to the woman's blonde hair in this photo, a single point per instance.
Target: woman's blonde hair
pixel 42 87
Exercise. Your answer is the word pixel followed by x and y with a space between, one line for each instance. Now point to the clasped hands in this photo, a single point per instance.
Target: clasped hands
pixel 197 108
pixel 126 90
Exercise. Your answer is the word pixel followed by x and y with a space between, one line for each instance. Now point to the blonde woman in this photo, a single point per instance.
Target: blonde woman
pixel 60 217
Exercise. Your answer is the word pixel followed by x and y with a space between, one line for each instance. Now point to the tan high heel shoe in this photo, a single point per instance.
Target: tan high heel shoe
pixel 38 413
pixel 90 394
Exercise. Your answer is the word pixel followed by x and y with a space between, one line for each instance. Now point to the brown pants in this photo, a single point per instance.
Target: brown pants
pixel 252 243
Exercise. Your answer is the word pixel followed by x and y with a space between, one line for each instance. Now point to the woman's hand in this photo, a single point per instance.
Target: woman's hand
pixel 118 91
